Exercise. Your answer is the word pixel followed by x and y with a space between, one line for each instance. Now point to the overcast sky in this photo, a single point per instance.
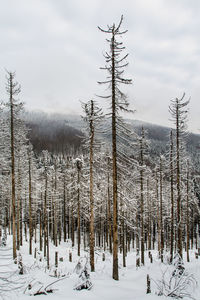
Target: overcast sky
pixel 56 50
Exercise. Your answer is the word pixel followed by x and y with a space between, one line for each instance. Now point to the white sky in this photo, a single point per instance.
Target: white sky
pixel 56 50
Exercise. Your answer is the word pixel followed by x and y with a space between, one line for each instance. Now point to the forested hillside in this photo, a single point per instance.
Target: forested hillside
pixel 59 133
pixel 52 133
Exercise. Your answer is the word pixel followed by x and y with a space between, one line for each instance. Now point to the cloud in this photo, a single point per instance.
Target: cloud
pixel 56 50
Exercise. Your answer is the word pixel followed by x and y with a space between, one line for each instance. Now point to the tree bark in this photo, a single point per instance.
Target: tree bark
pixel 114 160
pixel 187 215
pixel 142 195
pixel 11 92
pixel 91 190
pixel 109 209
pixel 172 197
pixel 161 213
pixel 30 205
pixel 79 217
pixel 178 183
pixel 64 210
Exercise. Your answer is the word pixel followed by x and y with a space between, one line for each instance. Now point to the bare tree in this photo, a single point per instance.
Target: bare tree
pixel 93 116
pixel 115 65
pixel 178 110
pixel 30 201
pixel 172 196
pixel 79 167
pixel 13 89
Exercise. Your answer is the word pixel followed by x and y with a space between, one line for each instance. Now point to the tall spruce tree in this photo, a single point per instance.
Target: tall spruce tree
pixel 179 110
pixel 13 89
pixel 115 64
pixel 93 117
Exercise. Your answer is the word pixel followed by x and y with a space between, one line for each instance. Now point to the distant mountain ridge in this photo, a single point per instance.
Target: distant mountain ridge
pixel 52 133
pixel 60 132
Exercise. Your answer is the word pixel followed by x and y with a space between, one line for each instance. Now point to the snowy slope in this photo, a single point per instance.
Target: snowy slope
pixel 131 286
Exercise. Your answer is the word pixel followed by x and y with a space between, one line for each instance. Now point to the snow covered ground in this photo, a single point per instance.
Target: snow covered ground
pixel 131 286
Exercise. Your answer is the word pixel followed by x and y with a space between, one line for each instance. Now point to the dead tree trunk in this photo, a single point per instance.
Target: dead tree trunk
pixel 178 183
pixel 18 207
pixel 149 216
pixel 109 208
pixel 45 215
pixel 161 212
pixel 187 215
pixel 118 102
pixel 79 166
pixel 64 210
pixel 12 89
pixel 91 189
pixel 172 197
pixel 30 204
pixel 179 111
pixel 142 194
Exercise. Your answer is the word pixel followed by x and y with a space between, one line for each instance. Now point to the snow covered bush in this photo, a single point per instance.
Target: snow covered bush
pixel 84 281
pixel 176 283
pixel 20 264
pixel 3 241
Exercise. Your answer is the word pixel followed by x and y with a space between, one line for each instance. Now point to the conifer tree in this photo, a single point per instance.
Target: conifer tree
pixel 115 65
pixel 172 196
pixel 13 89
pixel 93 116
pixel 178 110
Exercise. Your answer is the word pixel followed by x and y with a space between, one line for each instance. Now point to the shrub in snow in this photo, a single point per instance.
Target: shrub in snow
pixel 84 281
pixel 57 272
pixel 78 268
pixel 179 266
pixel 36 287
pixel 20 264
pixel 10 281
pixel 176 283
pixel 148 284
pixel 83 261
pixel 137 258
pixel 3 241
pixel 70 256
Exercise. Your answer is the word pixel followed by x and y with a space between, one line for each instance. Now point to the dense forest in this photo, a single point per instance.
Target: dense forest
pixel 101 182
